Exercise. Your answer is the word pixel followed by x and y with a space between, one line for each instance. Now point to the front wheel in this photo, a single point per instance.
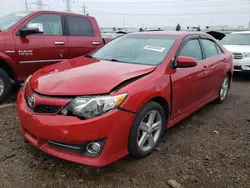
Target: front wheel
pixel 223 90
pixel 146 131
pixel 5 85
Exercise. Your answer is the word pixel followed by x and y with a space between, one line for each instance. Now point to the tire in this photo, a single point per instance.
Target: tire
pixel 136 133
pixel 221 98
pixel 5 82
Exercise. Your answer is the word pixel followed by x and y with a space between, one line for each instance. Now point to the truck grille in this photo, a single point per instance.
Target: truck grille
pixel 238 55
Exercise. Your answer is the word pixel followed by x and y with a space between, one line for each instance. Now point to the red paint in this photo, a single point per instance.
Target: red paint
pixel 44 47
pixel 184 89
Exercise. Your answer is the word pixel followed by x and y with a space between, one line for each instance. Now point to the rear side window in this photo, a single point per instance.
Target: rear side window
pixel 192 49
pixel 210 48
pixel 219 50
pixel 80 26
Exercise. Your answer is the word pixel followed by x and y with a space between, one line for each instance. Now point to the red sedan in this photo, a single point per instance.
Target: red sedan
pixel 119 99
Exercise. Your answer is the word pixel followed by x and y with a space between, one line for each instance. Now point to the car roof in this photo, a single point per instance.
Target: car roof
pixel 59 12
pixel 170 33
pixel 241 32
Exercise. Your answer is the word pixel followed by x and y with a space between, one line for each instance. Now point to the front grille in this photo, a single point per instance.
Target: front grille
pixel 46 109
pixel 237 67
pixel 238 55
pixel 26 98
pixel 41 108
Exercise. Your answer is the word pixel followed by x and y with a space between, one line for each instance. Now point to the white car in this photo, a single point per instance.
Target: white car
pixel 239 44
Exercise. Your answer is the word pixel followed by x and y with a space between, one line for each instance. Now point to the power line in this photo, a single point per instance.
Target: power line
pixel 158 2
pixel 177 5
pixel 160 14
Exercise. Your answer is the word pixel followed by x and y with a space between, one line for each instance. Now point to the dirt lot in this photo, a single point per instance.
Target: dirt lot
pixel 210 149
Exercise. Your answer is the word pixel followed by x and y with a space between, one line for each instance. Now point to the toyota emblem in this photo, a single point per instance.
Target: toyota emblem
pixel 31 102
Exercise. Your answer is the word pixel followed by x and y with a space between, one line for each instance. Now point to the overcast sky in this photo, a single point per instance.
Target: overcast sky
pixel 150 13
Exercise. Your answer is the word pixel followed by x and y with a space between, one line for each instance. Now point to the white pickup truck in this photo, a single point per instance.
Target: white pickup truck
pixel 239 44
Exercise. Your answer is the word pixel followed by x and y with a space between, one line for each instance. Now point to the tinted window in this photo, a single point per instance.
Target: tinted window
pixel 236 39
pixel 80 26
pixel 52 24
pixel 138 49
pixel 219 50
pixel 210 48
pixel 192 49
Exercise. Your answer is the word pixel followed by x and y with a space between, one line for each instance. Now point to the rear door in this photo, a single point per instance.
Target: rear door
pixel 212 67
pixel 39 50
pixel 187 83
pixel 82 37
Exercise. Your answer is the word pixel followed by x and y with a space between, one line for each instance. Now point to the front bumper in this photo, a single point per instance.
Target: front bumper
pixel 113 126
pixel 242 65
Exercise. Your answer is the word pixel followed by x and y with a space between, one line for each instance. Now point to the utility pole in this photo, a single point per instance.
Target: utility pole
pixel 68 5
pixel 26 4
pixel 84 9
pixel 124 22
pixel 39 4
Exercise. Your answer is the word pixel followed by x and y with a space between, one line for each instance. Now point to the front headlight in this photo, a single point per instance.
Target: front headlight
pixel 246 54
pixel 89 107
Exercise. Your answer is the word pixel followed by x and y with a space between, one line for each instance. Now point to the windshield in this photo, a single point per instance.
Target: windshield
pixel 139 49
pixel 11 19
pixel 236 39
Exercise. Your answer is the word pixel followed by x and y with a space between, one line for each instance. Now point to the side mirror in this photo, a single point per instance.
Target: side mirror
pixel 32 28
pixel 184 61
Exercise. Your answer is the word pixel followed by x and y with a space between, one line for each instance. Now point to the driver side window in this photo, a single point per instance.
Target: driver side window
pixel 51 23
pixel 192 49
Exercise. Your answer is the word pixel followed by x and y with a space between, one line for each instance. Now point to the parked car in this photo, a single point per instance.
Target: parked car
pixel 119 100
pixel 32 40
pixel 239 44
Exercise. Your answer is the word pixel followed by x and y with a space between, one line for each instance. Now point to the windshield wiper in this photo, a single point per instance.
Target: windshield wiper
pixel 88 56
pixel 115 60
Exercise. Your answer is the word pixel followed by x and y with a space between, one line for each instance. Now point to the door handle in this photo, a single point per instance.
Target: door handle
pixel 224 60
pixel 59 43
pixel 96 43
pixel 205 68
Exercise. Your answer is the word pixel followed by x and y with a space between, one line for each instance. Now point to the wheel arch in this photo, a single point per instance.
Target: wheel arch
pixel 8 65
pixel 229 73
pixel 7 68
pixel 164 104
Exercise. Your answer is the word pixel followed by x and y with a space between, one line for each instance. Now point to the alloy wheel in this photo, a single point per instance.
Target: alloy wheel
pixel 149 130
pixel 224 88
pixel 1 86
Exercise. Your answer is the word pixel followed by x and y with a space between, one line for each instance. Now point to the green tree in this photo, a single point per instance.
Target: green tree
pixel 198 28
pixel 178 27
pixel 114 29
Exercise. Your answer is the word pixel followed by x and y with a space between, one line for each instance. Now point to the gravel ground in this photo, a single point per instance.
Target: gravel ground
pixel 210 149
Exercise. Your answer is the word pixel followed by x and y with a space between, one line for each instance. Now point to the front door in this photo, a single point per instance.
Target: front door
pixel 186 82
pixel 39 50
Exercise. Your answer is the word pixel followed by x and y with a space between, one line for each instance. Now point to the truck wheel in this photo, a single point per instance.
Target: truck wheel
pixel 5 85
pixel 147 130
pixel 223 90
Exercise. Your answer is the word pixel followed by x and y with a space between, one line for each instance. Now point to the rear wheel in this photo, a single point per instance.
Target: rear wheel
pixel 5 85
pixel 223 90
pixel 147 129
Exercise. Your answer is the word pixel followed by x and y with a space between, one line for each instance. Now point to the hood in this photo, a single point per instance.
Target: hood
pixel 238 48
pixel 84 76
